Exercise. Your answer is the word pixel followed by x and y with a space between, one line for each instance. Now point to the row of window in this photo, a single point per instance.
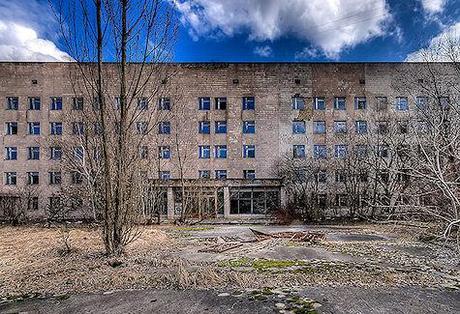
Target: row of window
pixel 340 151
pixel 220 127
pixel 341 176
pixel 55 177
pixel 360 103
pixel 33 153
pixel 341 127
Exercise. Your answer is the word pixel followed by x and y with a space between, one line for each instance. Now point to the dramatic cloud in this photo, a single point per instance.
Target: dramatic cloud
pixel 441 48
pixel 307 53
pixel 263 51
pixel 433 6
pixel 23 25
pixel 331 25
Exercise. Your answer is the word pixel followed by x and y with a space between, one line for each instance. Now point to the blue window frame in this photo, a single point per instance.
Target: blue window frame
pixel 402 104
pixel 12 103
pixel 298 103
pixel 361 127
pixel 319 127
pixel 249 103
pixel 299 151
pixel 221 127
pixel 56 103
pixel 249 174
pixel 34 103
pixel 164 103
pixel 249 151
pixel 249 127
pixel 204 103
pixel 341 151
pixel 164 127
pixel 204 151
pixel 319 103
pixel 360 103
pixel 204 127
pixel 164 152
pixel 33 153
pixel 340 127
pixel 340 103
pixel 298 127
pixel 11 153
pixel 34 128
pixel 319 151
pixel 220 151
pixel 221 174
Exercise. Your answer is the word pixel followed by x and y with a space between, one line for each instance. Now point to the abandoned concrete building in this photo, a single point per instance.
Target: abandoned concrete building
pixel 240 120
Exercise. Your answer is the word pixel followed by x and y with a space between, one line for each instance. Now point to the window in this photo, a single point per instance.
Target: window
pixel 142 103
pixel 204 103
pixel 299 151
pixel 11 128
pixel 78 152
pixel 12 103
pixel 298 127
pixel 165 175
pixel 320 151
pixel 221 103
pixel 77 103
pixel 117 103
pixel 381 103
pixel 340 151
pixel 204 127
pixel 360 103
pixel 382 151
pixel 319 127
pixel 204 151
pixel 340 103
pixel 77 128
pixel 55 153
pixel 33 153
pixel 164 104
pixel 143 152
pixel 142 127
pixel 249 103
pixel 34 103
pixel 34 128
pixel 204 174
pixel 340 127
pixel 221 174
pixel 55 128
pixel 10 178
pixel 382 127
pixel 249 127
pixel 361 127
pixel 165 152
pixel 55 177
pixel 361 151
pixel 98 128
pixel 249 151
pixel 220 151
pixel 341 200
pixel 402 104
pixel 32 178
pixel 443 102
pixel 421 102
pixel 319 103
pixel 77 177
pixel 340 176
pixel 298 103
pixel 249 174
pixel 403 127
pixel 221 127
pixel 32 204
pixel 56 103
pixel 321 176
pixel 11 153
pixel 164 127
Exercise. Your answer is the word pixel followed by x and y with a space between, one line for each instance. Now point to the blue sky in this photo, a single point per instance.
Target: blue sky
pixel 260 30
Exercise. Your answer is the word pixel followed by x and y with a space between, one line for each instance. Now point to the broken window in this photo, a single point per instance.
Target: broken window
pixel 221 103
pixel 12 103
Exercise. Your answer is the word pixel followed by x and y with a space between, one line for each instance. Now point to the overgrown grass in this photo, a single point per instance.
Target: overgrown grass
pixel 260 264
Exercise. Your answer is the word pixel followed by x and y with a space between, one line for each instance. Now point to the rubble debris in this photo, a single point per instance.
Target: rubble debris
pixel 301 236
pixel 220 247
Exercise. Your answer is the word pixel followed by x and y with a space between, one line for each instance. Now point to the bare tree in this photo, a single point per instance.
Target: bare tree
pixel 137 37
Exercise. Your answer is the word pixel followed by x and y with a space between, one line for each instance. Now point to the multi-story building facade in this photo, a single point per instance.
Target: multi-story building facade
pixel 238 119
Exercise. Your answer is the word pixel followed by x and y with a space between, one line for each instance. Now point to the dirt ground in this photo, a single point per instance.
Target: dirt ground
pixel 169 257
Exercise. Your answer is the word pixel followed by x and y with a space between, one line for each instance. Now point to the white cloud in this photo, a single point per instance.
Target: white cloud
pixel 441 48
pixel 433 6
pixel 331 25
pixel 22 26
pixel 263 51
pixel 307 53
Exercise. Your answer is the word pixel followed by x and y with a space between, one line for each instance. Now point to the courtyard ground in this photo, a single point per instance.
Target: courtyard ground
pixel 353 269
